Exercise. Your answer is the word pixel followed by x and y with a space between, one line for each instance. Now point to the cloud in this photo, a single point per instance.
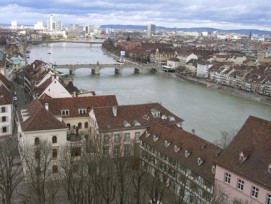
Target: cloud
pixel 171 13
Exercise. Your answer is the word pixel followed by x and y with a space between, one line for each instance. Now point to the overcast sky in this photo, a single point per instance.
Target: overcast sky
pixel 223 14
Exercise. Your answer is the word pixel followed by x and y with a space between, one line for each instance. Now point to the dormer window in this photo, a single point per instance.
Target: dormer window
pixel 171 119
pixel 64 112
pixel 269 168
pixel 167 143
pixel 187 153
pixel 200 161
pixel 213 169
pixel 155 113
pixel 136 123
pixel 242 157
pixel 155 138
pixel 126 124
pixel 176 148
pixel 147 134
pixel 82 111
pixel 164 117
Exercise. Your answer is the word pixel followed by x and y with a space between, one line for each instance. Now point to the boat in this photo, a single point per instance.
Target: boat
pixel 49 53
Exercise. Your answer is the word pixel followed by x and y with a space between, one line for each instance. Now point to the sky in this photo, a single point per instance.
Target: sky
pixel 220 14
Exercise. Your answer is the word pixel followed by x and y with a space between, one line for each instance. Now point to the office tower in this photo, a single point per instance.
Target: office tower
pixel 50 23
pixel 14 24
pixel 150 30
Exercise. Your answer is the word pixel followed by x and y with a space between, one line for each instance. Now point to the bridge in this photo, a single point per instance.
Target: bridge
pixel 85 41
pixel 95 68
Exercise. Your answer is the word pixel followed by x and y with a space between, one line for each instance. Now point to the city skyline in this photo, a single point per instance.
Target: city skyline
pixel 238 14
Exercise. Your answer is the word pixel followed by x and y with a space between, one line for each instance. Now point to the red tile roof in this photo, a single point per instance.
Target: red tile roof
pixel 6 97
pixel 141 113
pixel 38 118
pixel 178 138
pixel 75 103
pixel 254 140
pixel 8 84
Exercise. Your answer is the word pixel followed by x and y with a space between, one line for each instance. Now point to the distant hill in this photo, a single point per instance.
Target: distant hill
pixel 199 29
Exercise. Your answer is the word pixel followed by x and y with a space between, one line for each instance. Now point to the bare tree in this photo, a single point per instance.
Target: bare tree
pixel 37 163
pixel 72 175
pixel 10 169
pixel 155 187
pixel 138 181
pixel 226 138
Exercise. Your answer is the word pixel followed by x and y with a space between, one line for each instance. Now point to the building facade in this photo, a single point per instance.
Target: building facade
pixel 243 173
pixel 118 128
pixel 183 161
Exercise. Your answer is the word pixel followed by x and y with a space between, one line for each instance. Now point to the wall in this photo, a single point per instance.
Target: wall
pixel 233 192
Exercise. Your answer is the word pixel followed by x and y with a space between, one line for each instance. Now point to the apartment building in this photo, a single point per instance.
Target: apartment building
pixel 6 106
pixel 115 129
pixel 59 121
pixel 183 161
pixel 243 170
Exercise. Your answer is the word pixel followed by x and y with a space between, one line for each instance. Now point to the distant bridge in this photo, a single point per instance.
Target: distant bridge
pixel 95 68
pixel 86 41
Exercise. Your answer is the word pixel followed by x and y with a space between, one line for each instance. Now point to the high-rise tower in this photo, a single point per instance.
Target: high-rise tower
pixel 50 23
pixel 150 30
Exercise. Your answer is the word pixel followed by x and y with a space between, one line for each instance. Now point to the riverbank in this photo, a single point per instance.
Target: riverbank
pixel 224 89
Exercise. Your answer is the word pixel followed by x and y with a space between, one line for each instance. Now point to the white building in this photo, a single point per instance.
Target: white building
pixel 39 26
pixel 52 87
pixel 6 106
pixel 50 23
pixel 61 122
pixel 14 24
pixel 202 68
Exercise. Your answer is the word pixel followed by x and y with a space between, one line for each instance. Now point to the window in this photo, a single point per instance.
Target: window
pixel 127 149
pixel 117 138
pixel 64 112
pixel 268 199
pixel 55 169
pixel 4 129
pixel 76 151
pixel 137 135
pixel 213 169
pixel 240 184
pixel 227 178
pixel 37 141
pixel 200 161
pixel 54 153
pixel 79 125
pixel 37 154
pixel 106 151
pixel 254 192
pixel 82 111
pixel 4 119
pixel 86 124
pixel 106 139
pixel 54 139
pixel 186 153
pixel 3 109
pixel 127 137
pixel 116 150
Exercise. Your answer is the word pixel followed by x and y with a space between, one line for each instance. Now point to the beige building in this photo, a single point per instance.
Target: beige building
pixel 115 129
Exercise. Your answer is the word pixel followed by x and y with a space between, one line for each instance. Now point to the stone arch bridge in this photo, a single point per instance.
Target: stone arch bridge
pixel 97 67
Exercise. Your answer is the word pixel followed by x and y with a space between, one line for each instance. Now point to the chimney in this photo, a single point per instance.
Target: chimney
pixel 114 110
pixel 47 106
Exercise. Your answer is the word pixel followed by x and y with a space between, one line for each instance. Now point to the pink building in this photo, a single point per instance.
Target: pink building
pixel 243 170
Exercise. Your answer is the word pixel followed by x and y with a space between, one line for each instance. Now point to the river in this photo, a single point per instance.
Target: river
pixel 206 110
